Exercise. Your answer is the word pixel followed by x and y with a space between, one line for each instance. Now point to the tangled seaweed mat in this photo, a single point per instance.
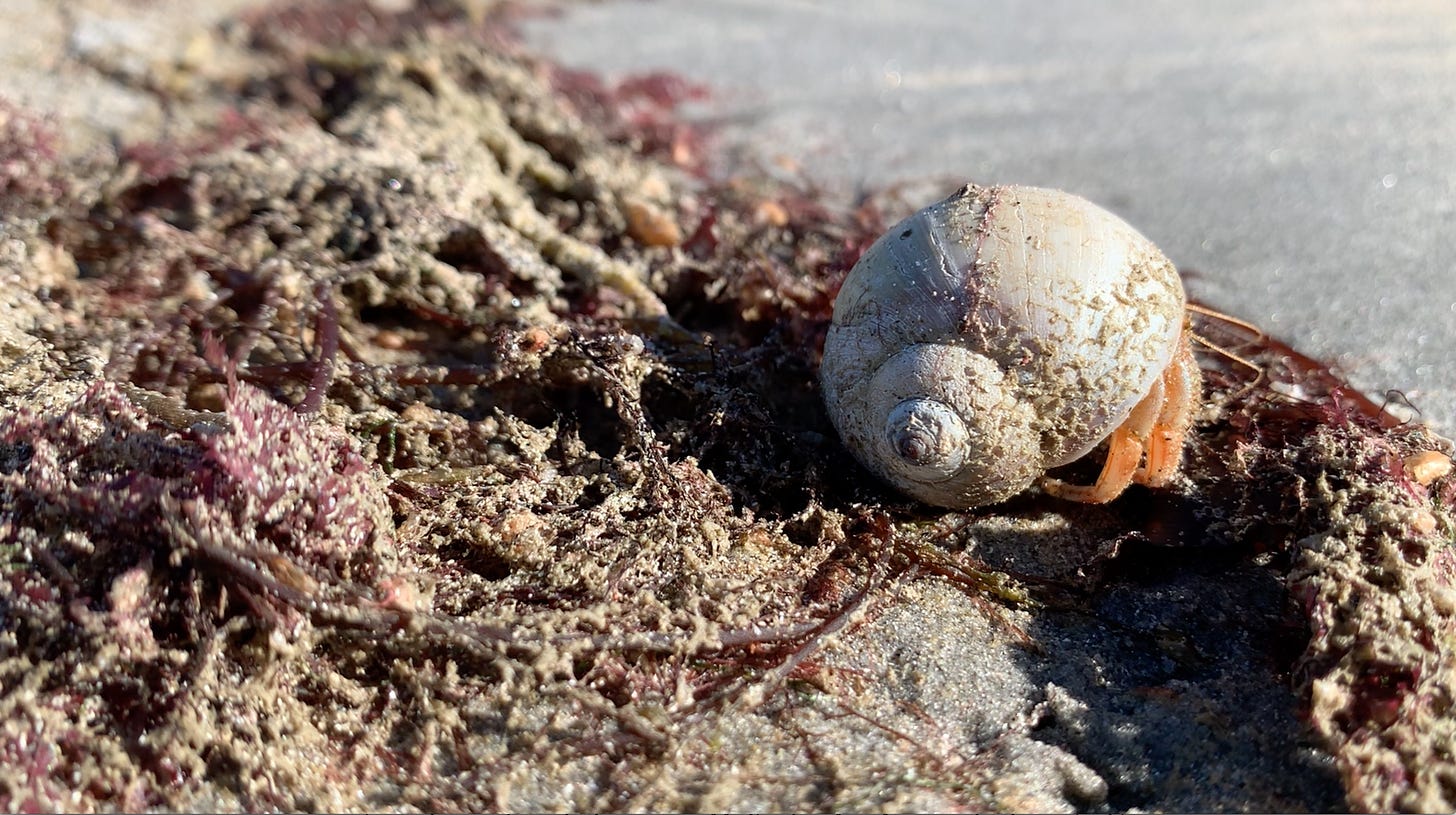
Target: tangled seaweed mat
pixel 350 460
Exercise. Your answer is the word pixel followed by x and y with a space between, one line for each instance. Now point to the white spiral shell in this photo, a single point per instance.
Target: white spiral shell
pixel 993 335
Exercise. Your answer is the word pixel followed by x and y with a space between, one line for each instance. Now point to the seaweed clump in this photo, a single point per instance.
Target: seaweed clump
pixel 1368 542
pixel 334 483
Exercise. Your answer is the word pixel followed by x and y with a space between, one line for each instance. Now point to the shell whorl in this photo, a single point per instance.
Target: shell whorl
pixel 942 412
pixel 927 435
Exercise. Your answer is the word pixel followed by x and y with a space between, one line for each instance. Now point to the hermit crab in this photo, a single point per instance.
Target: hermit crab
pixel 1005 331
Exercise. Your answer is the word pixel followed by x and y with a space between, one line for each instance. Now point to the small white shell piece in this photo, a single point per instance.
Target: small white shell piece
pixel 993 335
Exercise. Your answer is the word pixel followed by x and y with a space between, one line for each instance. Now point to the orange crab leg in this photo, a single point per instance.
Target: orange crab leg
pixel 1124 452
pixel 1182 384
pixel 1156 426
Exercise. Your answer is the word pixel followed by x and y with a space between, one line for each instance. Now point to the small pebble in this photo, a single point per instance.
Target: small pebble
pixel 771 213
pixel 1427 466
pixel 649 225
pixel 1423 522
pixel 390 340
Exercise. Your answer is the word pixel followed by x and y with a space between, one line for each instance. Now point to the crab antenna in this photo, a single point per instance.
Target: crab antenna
pixel 1224 318
pixel 1259 372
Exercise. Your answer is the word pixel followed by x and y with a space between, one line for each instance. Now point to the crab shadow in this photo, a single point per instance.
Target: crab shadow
pixel 1165 651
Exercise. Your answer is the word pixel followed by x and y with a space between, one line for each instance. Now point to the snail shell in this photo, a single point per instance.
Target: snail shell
pixel 994 335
